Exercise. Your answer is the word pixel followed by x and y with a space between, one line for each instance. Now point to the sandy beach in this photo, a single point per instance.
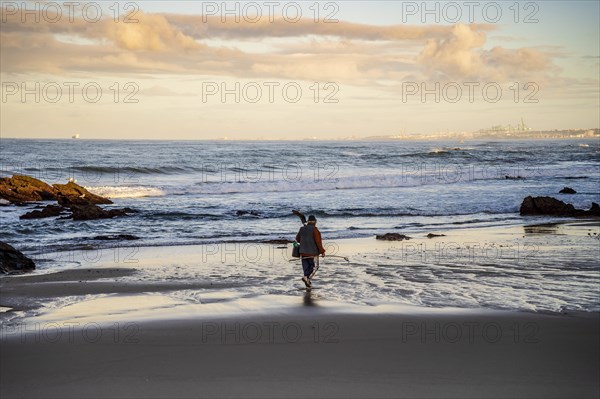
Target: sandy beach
pixel 324 199
pixel 195 321
pixel 461 354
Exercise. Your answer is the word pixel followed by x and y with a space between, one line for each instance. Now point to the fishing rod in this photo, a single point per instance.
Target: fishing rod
pixel 316 256
pixel 339 256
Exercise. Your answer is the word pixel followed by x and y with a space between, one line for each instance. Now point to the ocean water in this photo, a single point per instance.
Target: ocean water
pixel 193 192
pixel 219 192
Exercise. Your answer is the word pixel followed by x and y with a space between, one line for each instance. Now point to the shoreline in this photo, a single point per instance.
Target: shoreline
pixel 196 276
pixel 423 231
pixel 231 320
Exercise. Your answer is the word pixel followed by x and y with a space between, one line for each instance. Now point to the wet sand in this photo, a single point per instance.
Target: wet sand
pixel 457 355
pixel 140 331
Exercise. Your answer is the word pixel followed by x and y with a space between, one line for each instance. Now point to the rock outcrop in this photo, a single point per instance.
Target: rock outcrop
pixel 45 212
pixel 546 206
pixel 73 194
pixel 13 261
pixel 71 197
pixel 567 190
pixel 594 210
pixel 90 212
pixel 552 207
pixel 20 188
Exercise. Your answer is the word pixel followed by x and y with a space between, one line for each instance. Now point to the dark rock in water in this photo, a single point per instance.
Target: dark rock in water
pixel 553 207
pixel 567 190
pixel 90 212
pixel 594 210
pixel 392 237
pixel 73 194
pixel 432 235
pixel 244 213
pixel 12 261
pixel 128 237
pixel 277 241
pixel 20 188
pixel 514 177
pixel 46 212
pixel 78 212
pixel 546 206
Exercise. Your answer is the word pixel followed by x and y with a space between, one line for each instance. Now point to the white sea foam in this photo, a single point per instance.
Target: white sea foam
pixel 126 191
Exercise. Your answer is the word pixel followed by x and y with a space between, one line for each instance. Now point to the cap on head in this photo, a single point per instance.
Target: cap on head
pixel 312 218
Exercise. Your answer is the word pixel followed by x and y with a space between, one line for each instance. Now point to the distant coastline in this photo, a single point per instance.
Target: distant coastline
pixel 556 134
pixel 566 134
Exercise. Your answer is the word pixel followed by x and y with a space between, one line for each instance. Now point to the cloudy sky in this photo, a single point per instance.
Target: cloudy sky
pixel 282 70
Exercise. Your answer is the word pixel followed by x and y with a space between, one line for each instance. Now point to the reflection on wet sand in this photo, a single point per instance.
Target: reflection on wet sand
pixel 308 299
pixel 549 228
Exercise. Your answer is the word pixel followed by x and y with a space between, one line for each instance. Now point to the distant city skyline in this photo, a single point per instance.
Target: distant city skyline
pixel 195 70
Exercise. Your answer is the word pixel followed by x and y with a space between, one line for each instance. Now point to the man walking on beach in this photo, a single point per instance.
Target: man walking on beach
pixel 311 246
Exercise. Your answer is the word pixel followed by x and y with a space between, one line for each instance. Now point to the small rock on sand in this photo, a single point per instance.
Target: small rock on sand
pixel 392 237
pixel 432 235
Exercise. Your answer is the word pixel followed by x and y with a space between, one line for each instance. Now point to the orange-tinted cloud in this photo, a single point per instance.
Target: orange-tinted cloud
pixel 153 33
pixel 462 56
pixel 343 52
